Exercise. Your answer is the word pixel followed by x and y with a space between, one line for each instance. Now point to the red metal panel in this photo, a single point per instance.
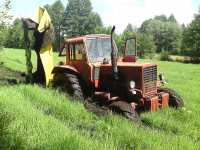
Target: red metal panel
pixel 151 104
pixel 165 100
pixel 154 104
pixel 129 59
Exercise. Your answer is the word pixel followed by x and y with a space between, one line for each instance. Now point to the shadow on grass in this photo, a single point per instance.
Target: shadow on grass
pixel 10 77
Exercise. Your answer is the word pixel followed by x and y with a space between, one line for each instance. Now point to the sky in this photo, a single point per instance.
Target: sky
pixel 121 12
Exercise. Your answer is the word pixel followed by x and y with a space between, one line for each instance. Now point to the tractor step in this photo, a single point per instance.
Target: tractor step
pixel 107 96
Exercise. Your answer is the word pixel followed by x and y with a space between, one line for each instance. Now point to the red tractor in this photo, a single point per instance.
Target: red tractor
pixel 93 69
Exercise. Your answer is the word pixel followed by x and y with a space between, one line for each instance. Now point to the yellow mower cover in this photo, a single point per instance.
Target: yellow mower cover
pixel 43 20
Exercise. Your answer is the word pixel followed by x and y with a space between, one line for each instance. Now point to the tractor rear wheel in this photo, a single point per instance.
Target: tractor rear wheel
pixel 69 83
pixel 125 109
pixel 175 99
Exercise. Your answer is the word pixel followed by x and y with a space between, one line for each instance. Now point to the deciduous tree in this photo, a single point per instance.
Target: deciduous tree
pixel 166 33
pixel 191 36
pixel 15 35
pixel 146 45
pixel 5 17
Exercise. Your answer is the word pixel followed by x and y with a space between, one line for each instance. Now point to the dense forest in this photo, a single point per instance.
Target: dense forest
pixel 160 34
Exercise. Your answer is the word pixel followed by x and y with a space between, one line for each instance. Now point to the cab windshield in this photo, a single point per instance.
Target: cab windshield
pixel 99 49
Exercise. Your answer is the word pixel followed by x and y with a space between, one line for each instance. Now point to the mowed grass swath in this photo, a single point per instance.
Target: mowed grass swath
pixel 32 117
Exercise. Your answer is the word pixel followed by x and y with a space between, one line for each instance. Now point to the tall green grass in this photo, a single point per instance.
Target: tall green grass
pixel 32 117
pixel 37 118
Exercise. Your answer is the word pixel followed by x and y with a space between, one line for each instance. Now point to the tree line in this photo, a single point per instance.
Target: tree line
pixel 155 35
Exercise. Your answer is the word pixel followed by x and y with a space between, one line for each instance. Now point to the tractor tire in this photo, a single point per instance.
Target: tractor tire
pixel 175 99
pixel 69 83
pixel 123 108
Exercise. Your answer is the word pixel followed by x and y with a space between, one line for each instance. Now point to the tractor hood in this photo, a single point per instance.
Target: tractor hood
pixel 124 65
pixel 143 74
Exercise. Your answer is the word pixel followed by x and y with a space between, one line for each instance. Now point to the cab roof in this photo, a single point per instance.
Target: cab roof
pixel 82 38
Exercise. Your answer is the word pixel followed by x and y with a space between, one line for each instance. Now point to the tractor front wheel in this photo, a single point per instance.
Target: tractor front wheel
pixel 69 83
pixel 175 99
pixel 125 109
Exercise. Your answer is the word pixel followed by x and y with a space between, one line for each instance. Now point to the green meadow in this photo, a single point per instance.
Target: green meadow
pixel 34 117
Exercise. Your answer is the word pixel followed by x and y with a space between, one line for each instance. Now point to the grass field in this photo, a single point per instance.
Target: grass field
pixel 32 117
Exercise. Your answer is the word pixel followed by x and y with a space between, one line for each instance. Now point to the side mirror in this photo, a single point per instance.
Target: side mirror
pixel 130 51
pixel 130 47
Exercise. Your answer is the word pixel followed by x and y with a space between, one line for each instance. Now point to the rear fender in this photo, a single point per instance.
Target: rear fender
pixel 62 69
pixel 65 69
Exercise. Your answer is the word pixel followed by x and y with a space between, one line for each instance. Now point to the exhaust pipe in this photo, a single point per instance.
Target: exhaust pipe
pixel 114 57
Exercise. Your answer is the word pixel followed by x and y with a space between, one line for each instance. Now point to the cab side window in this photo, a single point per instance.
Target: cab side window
pixel 76 51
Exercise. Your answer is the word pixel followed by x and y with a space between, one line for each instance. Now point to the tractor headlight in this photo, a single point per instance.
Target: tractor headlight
pixel 132 84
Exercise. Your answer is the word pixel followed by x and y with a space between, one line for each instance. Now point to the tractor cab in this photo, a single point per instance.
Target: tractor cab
pixel 93 49
pixel 97 49
pixel 85 55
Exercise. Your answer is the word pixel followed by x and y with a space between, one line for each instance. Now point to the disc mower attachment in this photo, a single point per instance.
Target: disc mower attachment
pixel 43 33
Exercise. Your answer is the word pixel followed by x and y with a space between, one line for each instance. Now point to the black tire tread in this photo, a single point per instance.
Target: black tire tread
pixel 175 100
pixel 125 109
pixel 70 84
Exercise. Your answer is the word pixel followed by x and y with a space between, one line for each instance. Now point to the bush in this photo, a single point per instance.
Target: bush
pixel 195 60
pixel 149 55
pixel 164 56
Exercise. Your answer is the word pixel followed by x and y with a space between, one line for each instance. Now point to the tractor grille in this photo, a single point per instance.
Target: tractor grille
pixel 150 79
